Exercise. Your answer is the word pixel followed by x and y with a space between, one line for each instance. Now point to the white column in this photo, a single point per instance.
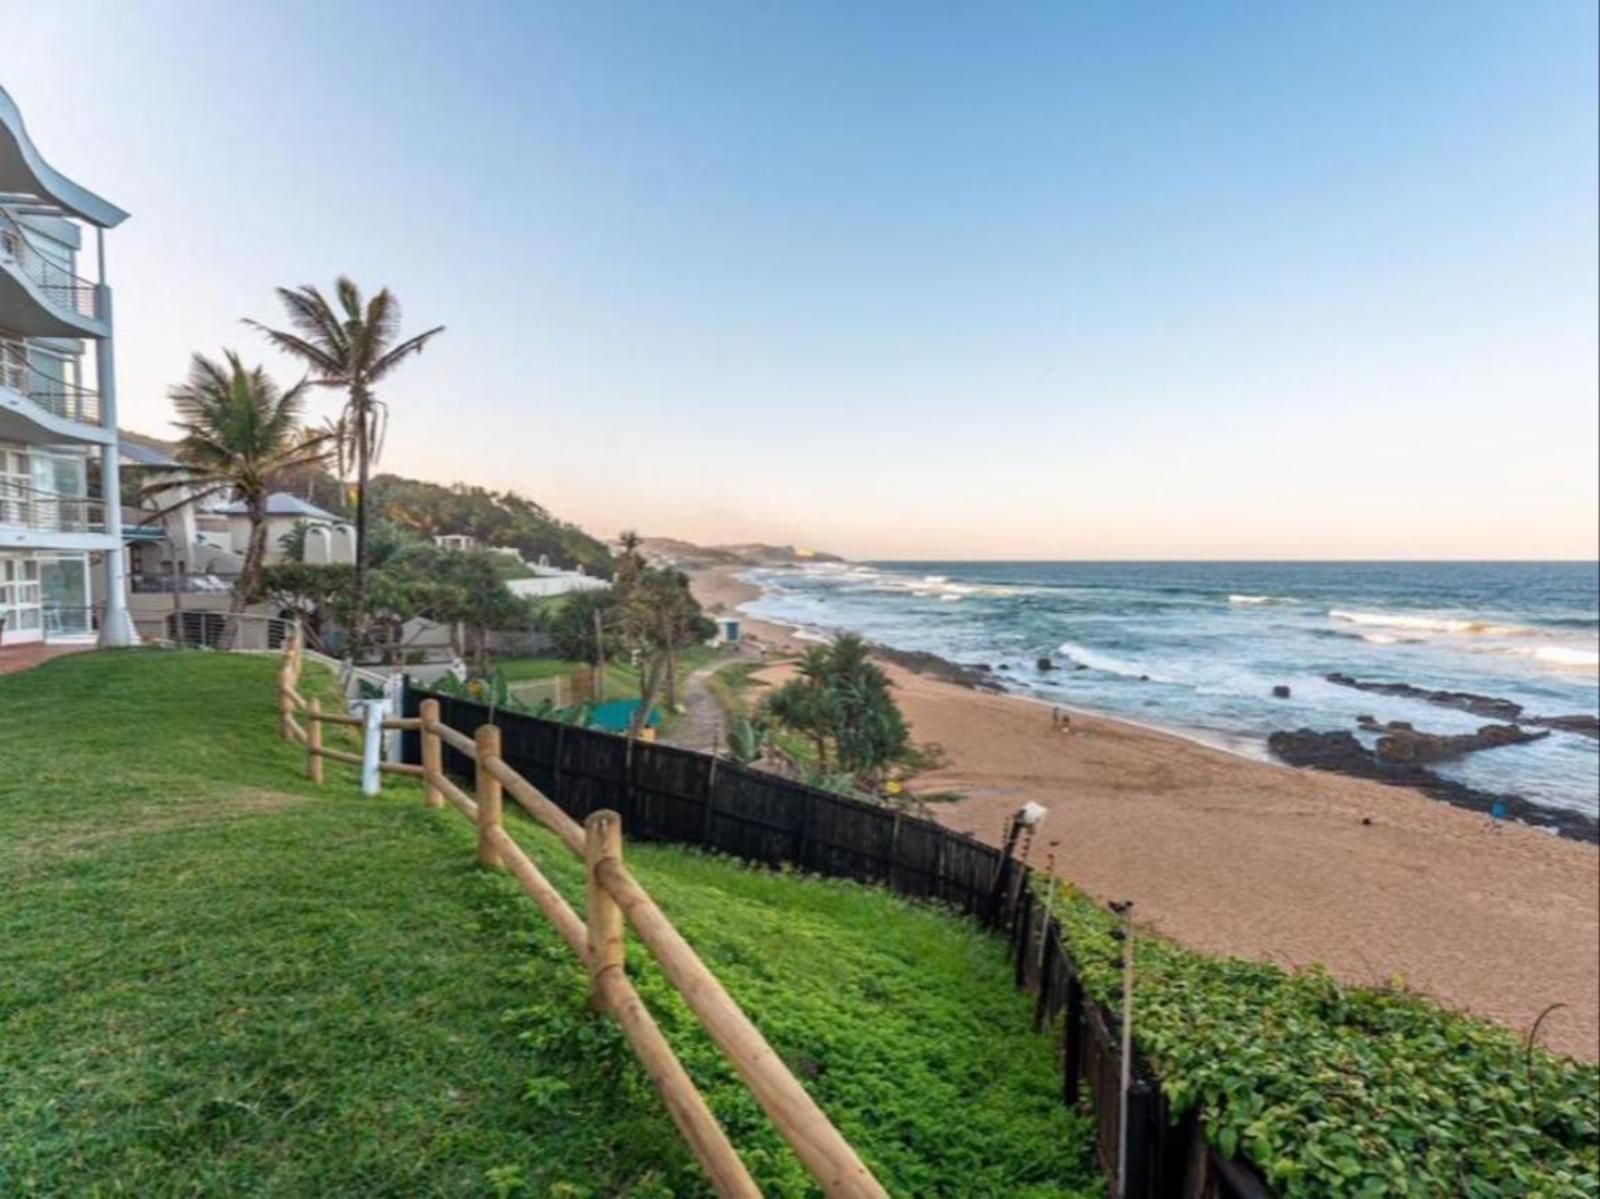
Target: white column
pixel 116 627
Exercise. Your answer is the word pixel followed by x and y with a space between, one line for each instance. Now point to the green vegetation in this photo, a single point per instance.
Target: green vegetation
pixel 495 518
pixel 216 978
pixel 622 678
pixel 841 700
pixel 409 578
pixel 1345 1091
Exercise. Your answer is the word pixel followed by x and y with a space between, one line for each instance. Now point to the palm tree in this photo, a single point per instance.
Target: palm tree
pixel 240 433
pixel 352 347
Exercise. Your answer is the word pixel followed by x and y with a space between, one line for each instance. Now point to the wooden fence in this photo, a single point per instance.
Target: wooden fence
pixel 614 899
pixel 668 794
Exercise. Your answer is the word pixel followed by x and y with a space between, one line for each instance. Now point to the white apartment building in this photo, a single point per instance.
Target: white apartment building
pixel 61 530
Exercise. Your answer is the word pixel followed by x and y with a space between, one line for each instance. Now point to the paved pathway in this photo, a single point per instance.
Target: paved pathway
pixel 14 658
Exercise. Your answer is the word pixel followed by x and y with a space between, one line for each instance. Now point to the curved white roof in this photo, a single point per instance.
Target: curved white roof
pixel 23 169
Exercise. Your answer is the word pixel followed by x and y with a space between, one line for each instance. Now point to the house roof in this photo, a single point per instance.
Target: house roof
pixel 281 503
pixel 142 451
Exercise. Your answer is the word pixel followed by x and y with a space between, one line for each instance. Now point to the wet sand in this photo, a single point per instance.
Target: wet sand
pixel 1233 855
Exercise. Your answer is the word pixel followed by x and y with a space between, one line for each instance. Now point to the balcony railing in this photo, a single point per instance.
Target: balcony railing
pixel 62 289
pixel 66 400
pixel 22 506
pixel 204 583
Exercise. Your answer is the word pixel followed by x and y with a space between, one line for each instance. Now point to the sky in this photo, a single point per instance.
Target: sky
pixel 915 280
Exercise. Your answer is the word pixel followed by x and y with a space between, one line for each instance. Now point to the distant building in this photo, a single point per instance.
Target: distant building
pixel 728 632
pixel 548 581
pixel 456 543
pixel 329 540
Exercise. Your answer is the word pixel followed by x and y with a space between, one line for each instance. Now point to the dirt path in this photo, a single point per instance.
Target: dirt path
pixel 699 726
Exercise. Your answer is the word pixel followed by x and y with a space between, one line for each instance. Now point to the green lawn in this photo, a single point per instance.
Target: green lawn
pixel 218 979
pixel 622 679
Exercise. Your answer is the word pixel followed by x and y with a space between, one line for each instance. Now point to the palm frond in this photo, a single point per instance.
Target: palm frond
pixel 412 345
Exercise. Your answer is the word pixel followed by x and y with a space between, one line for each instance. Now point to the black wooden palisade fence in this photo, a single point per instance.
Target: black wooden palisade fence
pixel 691 798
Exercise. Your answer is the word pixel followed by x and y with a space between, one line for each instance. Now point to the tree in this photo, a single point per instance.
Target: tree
pixel 656 616
pixel 353 347
pixel 806 704
pixel 841 695
pixel 240 433
pixel 569 622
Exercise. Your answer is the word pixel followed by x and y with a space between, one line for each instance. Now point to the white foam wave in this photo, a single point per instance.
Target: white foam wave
pixel 1561 655
pixel 1430 624
pixel 1095 660
pixel 1261 599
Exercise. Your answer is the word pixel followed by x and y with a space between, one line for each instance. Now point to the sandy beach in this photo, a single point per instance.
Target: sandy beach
pixel 1231 855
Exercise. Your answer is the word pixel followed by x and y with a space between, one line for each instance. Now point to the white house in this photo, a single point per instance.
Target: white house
pixel 548 581
pixel 58 406
pixel 329 540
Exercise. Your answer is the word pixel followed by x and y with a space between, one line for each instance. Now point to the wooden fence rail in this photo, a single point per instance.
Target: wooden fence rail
pixel 614 900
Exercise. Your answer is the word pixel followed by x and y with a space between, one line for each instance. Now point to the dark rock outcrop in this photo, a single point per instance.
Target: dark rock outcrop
pixel 935 667
pixel 1044 664
pixel 1407 745
pixel 1479 705
pixel 1281 691
pixel 1465 701
pixel 1341 752
pixel 1586 726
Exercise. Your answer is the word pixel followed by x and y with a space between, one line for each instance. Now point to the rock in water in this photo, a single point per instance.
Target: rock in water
pixel 1405 745
pixel 1340 752
pixel 1045 664
pixel 1281 691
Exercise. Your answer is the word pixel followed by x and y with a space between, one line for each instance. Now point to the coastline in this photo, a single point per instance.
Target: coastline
pixel 1233 854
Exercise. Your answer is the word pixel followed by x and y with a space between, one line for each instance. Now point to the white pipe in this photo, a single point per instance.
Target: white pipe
pixel 116 628
pixel 374 711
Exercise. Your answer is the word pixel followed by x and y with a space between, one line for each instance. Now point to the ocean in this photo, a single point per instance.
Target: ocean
pixel 1197 647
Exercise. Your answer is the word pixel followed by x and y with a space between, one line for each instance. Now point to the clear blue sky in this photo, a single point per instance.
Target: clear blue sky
pixel 1053 280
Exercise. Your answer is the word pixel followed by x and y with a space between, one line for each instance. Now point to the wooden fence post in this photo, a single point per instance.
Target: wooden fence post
pixel 314 740
pixel 1072 1038
pixel 602 839
pixel 488 789
pixel 432 753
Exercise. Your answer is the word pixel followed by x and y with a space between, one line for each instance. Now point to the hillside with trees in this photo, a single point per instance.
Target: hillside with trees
pixel 495 518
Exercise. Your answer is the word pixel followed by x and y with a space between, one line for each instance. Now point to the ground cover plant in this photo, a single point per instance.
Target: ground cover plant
pixel 216 978
pixel 1333 1090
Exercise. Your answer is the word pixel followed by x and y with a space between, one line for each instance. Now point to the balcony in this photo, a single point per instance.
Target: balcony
pixel 30 518
pixel 28 509
pixel 39 297
pixel 39 409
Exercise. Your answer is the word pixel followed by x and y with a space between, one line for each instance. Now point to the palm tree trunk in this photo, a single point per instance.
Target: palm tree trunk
pixel 363 470
pixel 250 574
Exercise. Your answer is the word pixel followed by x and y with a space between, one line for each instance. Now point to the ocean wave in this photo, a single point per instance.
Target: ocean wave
pixel 1561 655
pixel 1262 599
pixel 1431 624
pixel 1095 660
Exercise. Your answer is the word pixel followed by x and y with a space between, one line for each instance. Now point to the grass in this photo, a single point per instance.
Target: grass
pixel 622 679
pixel 216 978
